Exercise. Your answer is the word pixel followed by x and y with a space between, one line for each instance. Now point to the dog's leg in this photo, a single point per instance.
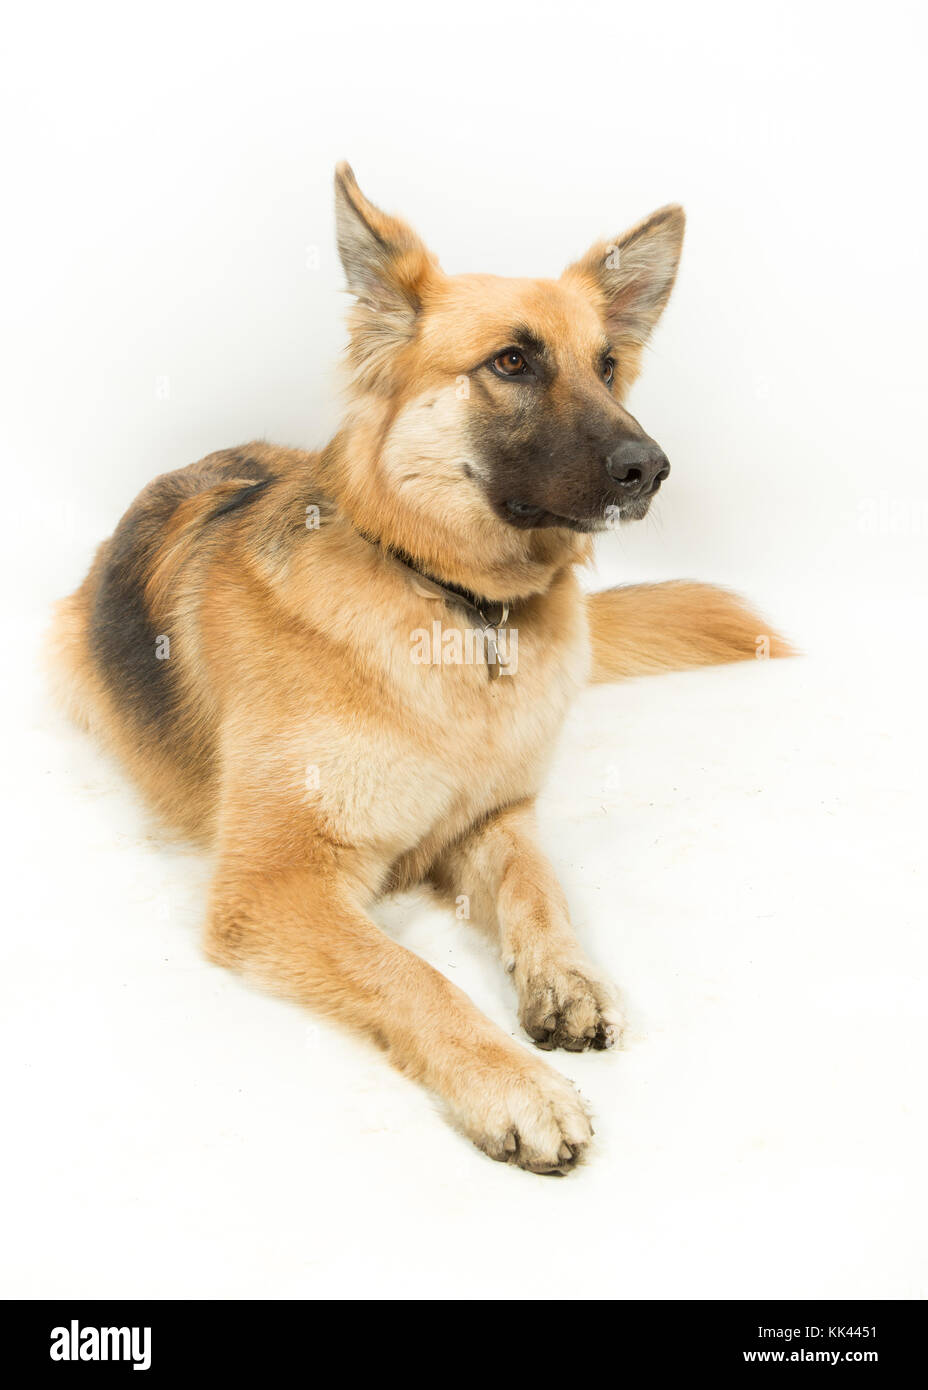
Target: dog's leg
pixel 510 887
pixel 302 932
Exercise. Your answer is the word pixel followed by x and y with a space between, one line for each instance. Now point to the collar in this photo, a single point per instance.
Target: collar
pixel 493 613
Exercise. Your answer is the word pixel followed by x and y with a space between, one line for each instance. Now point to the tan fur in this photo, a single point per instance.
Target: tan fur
pixel 642 629
pixel 290 730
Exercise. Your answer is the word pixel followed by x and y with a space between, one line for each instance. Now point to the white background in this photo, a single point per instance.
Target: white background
pixel 742 847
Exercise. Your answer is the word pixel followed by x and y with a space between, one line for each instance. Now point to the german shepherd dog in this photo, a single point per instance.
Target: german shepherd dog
pixel 250 643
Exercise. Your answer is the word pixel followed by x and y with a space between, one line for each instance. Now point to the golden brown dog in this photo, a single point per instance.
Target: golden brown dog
pixel 344 670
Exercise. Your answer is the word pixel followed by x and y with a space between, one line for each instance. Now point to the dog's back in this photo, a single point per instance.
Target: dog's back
pixel 125 647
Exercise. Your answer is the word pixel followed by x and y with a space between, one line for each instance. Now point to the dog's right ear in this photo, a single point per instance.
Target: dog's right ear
pixel 388 270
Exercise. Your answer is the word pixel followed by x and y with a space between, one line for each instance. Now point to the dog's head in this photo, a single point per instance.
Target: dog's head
pixel 495 403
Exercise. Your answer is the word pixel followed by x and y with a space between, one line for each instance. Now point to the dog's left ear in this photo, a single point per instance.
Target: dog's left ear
pixel 631 278
pixel 388 270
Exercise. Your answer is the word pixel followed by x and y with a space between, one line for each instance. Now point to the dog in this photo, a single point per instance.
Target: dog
pixel 246 644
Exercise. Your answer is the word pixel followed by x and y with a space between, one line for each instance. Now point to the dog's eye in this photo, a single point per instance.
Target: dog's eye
pixel 510 363
pixel 608 370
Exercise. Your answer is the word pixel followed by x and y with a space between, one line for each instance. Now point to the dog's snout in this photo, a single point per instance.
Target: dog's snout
pixel 638 466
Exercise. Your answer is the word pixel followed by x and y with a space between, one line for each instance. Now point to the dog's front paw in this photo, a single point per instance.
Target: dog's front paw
pixel 531 1117
pixel 563 1005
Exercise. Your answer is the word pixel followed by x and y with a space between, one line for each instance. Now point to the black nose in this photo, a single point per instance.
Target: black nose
pixel 638 466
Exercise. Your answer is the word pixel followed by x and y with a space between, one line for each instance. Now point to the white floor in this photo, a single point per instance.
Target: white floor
pixel 743 850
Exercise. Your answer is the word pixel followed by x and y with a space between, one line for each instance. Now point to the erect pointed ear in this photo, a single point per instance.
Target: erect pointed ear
pixel 631 278
pixel 386 265
pixel 388 270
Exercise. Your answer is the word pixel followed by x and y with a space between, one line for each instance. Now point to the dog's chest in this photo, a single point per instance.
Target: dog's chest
pixel 453 743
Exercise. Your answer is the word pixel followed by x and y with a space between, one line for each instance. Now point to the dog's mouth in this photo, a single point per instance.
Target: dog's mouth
pixel 635 509
pixel 527 516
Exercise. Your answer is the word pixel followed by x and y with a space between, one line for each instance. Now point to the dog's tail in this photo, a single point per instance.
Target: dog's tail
pixel 641 629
